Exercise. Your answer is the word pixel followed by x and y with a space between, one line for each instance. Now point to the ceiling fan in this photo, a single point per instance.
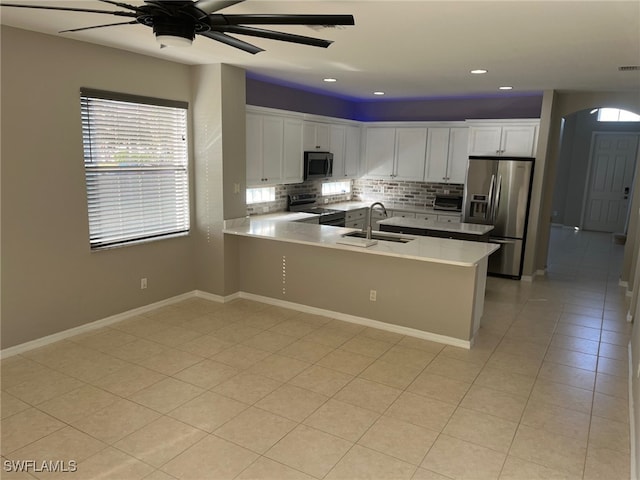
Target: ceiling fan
pixel 177 22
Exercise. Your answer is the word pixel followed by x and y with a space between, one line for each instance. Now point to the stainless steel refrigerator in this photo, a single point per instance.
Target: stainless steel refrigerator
pixel 497 193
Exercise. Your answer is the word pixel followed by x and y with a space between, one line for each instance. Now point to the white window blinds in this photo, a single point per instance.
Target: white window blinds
pixel 136 167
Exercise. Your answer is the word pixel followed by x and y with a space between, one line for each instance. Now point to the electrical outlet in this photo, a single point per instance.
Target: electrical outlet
pixel 236 188
pixel 143 283
pixel 373 294
pixel 446 192
pixel 638 371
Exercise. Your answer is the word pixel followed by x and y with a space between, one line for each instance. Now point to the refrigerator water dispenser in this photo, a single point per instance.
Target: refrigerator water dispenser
pixel 479 205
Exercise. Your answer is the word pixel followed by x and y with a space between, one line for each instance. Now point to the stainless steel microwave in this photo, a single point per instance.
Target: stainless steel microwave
pixel 318 165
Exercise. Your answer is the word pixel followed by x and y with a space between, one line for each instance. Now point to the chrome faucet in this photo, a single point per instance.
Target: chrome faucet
pixel 369 227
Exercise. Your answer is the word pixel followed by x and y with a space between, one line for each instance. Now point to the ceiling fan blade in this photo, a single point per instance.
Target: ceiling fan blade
pixel 210 6
pixel 98 26
pixel 67 9
pixel 269 19
pixel 234 42
pixel 285 37
pixel 121 5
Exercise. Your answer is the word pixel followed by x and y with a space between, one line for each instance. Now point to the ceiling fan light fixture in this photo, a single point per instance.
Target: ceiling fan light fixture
pixel 174 32
pixel 173 41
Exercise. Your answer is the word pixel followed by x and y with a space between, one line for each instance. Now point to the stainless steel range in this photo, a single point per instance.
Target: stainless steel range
pixel 308 203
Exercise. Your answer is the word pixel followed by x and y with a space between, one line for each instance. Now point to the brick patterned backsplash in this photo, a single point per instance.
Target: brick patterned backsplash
pixel 411 194
pixel 282 191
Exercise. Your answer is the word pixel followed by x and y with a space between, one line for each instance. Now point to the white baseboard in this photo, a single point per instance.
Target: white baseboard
pixel 56 337
pixel 87 327
pixel 632 423
pixel 530 278
pixel 412 332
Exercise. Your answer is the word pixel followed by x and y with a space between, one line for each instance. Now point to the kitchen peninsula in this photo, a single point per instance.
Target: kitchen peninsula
pixel 432 288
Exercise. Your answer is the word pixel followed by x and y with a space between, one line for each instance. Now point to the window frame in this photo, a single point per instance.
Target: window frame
pixel 149 199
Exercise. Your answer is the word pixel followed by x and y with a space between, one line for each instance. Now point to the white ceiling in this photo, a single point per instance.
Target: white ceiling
pixel 408 49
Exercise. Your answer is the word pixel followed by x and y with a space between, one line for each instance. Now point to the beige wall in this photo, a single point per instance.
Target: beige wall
pixel 51 281
pixel 220 164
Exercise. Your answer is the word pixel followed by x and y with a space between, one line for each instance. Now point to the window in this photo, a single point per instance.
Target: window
pixel 336 188
pixel 616 115
pixel 261 195
pixel 136 168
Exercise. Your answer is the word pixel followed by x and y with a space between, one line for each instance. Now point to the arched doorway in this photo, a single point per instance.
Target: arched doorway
pixel 587 164
pixel 595 172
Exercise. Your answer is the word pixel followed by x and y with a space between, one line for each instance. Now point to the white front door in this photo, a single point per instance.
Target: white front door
pixel 613 159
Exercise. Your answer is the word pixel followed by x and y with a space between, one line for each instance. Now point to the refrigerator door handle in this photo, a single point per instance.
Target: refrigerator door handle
pixel 502 242
pixel 490 209
pixel 496 203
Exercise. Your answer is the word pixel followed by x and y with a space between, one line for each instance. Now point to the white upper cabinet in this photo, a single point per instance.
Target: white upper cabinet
pixel 337 144
pixel 292 164
pixel 396 153
pixel 447 154
pixel 509 139
pixel 316 137
pixel 380 150
pixel 352 151
pixel 274 150
pixel 411 149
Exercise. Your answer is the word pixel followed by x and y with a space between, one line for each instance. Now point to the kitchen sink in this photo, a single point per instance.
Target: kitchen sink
pixel 385 237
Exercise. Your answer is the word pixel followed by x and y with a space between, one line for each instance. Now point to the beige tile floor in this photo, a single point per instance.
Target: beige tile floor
pixel 200 390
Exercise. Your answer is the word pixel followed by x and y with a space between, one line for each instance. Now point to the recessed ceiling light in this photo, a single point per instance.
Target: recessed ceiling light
pixel 378 93
pixel 330 80
pixel 505 87
pixel 479 71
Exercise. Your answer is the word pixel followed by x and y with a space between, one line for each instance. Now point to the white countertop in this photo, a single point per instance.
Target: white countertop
pixel 466 228
pixel 428 249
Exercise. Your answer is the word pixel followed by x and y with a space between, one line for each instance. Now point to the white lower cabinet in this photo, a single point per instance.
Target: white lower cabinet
pixel 449 218
pixel 427 216
pixel 402 214
pixel 356 218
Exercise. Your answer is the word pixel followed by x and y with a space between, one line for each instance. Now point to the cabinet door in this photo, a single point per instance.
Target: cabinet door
pixel 316 136
pixel 254 150
pixel 458 156
pixel 518 140
pixel 437 155
pixel 427 216
pixel 402 214
pixel 292 152
pixel 411 150
pixel 380 151
pixel 449 218
pixel 485 140
pixel 337 134
pixel 352 151
pixel 272 149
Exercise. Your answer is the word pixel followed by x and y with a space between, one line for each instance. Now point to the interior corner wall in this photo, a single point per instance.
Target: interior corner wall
pixel 51 280
pixel 539 187
pixel 220 166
